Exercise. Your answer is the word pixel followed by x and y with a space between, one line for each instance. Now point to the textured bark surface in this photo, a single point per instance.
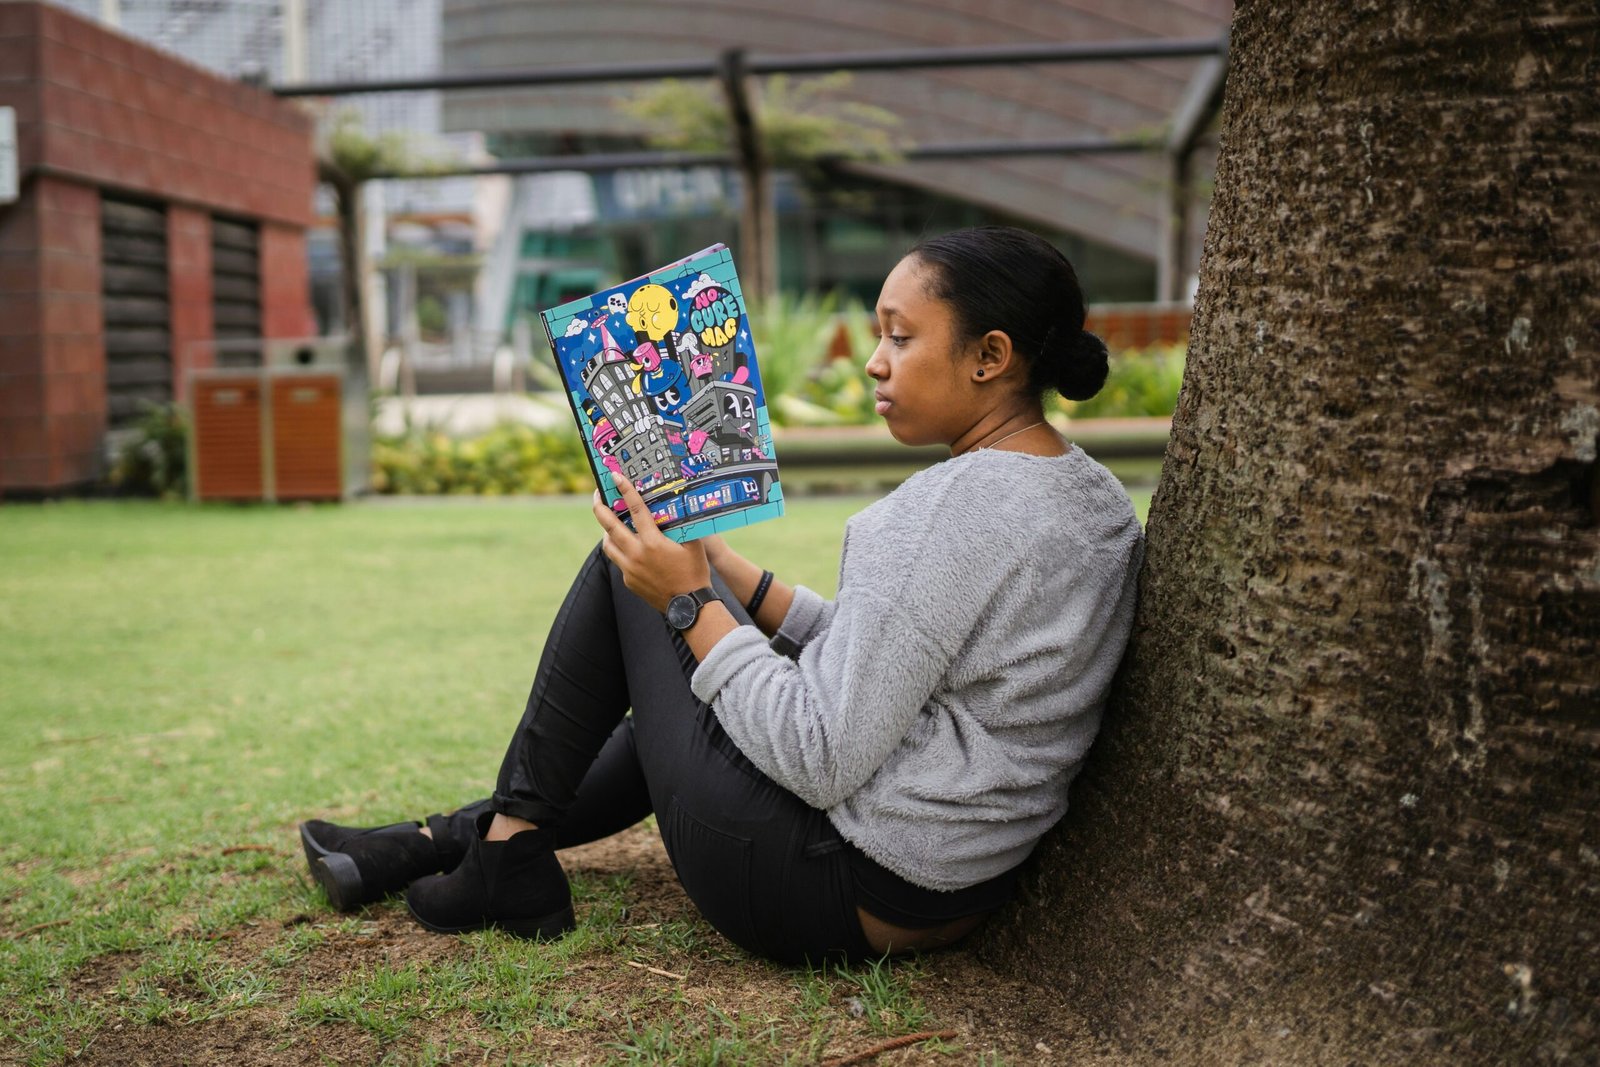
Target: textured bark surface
pixel 1344 809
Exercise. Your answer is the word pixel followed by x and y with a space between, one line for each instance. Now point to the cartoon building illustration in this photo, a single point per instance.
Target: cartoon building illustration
pixel 680 411
pixel 637 437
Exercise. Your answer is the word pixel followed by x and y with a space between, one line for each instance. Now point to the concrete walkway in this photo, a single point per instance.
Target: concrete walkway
pixel 468 414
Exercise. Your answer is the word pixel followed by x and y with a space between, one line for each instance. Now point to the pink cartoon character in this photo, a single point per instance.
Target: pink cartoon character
pixel 702 366
pixel 647 357
pixel 605 435
pixel 699 460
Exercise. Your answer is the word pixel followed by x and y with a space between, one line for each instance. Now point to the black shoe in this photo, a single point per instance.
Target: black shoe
pixel 517 886
pixel 357 865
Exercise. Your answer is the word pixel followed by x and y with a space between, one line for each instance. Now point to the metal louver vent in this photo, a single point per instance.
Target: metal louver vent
pixel 236 291
pixel 133 241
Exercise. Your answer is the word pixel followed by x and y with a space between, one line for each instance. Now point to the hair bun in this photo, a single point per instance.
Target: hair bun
pixel 1081 366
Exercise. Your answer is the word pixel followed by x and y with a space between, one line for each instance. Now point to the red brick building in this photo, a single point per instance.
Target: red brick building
pixel 160 208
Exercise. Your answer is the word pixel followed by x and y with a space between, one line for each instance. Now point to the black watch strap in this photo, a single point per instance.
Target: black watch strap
pixel 683 610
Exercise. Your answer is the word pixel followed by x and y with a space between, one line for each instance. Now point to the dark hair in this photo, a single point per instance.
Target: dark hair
pixel 1003 278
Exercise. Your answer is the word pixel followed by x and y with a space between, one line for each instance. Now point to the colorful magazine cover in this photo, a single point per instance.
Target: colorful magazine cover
pixel 661 373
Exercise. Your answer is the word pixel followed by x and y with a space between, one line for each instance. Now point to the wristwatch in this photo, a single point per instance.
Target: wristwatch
pixel 684 609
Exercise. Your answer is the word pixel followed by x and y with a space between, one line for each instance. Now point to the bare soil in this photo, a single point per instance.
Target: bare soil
pixel 991 1016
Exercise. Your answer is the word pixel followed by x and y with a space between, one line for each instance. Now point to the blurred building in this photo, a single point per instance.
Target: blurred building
pixel 569 232
pixel 431 222
pixel 159 209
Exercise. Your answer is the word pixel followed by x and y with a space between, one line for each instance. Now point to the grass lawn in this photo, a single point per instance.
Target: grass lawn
pixel 180 685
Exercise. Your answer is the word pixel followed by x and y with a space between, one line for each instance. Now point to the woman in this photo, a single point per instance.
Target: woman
pixel 843 778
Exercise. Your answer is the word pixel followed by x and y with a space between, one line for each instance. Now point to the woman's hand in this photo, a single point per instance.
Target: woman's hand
pixel 655 567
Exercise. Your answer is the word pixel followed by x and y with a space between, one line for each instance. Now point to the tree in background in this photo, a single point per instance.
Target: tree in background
pixel 347 158
pixel 1344 808
pixel 801 126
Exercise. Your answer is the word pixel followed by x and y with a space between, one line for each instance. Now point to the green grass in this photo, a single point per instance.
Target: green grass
pixel 180 685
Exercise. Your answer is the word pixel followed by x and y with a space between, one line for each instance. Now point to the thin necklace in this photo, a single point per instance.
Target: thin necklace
pixel 1010 435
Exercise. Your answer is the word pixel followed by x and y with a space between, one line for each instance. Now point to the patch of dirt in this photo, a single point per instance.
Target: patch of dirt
pixel 247 1039
pixel 611 990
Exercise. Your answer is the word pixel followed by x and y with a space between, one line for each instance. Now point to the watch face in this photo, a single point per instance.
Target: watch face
pixel 682 610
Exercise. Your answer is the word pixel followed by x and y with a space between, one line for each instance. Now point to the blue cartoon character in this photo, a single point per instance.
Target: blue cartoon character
pixel 662 380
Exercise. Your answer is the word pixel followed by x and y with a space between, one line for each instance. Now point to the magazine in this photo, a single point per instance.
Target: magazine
pixel 662 377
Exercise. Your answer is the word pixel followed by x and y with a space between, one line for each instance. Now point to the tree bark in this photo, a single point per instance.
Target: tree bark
pixel 1344 805
pixel 758 226
pixel 352 263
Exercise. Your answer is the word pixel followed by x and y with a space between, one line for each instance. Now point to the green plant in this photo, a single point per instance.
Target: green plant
pixel 720 1039
pixel 841 386
pixel 884 992
pixel 509 459
pixel 1140 383
pixel 800 121
pixel 154 459
pixel 793 336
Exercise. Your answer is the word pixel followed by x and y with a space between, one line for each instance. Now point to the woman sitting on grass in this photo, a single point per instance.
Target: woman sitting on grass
pixel 837 778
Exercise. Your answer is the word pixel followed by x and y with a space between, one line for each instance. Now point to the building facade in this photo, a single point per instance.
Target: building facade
pixel 1111 214
pixel 160 209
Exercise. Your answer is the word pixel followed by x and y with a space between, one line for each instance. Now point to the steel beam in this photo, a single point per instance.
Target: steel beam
pixel 896 59
pixel 608 161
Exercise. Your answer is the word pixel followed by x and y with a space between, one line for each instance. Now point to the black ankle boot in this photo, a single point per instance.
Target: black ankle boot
pixel 516 885
pixel 359 865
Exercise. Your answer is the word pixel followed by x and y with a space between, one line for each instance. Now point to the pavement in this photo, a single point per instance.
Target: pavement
pixel 468 414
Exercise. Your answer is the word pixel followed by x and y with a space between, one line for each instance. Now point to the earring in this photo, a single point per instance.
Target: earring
pixel 980 372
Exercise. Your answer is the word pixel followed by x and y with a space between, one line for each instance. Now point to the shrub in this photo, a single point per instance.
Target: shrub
pixel 509 459
pixel 806 388
pixel 1141 383
pixel 153 461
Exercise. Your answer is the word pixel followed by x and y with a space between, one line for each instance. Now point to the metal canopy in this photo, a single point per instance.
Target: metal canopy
pixel 604 161
pixel 1193 114
pixel 816 62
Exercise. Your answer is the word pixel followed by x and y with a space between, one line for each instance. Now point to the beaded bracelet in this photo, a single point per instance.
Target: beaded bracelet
pixel 760 595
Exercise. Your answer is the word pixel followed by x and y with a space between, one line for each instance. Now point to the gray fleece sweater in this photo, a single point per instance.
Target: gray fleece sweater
pixel 940 706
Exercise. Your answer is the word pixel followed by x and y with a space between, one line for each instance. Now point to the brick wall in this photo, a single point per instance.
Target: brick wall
pixel 1125 326
pixel 115 113
pixel 23 454
pixel 285 283
pixel 189 279
pixel 52 354
pixel 99 111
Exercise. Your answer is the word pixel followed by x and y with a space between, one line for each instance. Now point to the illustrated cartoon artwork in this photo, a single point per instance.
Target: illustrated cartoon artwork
pixel 653 311
pixel 664 385
pixel 662 380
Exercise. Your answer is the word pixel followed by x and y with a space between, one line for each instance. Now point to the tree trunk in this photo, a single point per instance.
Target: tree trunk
pixel 758 226
pixel 352 262
pixel 1344 808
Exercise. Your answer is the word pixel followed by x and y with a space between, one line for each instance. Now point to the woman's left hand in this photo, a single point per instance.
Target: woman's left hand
pixel 655 567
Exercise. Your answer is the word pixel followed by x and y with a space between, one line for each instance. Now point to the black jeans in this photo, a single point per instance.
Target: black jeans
pixel 770 873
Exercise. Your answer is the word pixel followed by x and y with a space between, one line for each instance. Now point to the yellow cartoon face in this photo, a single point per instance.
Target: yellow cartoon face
pixel 652 311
